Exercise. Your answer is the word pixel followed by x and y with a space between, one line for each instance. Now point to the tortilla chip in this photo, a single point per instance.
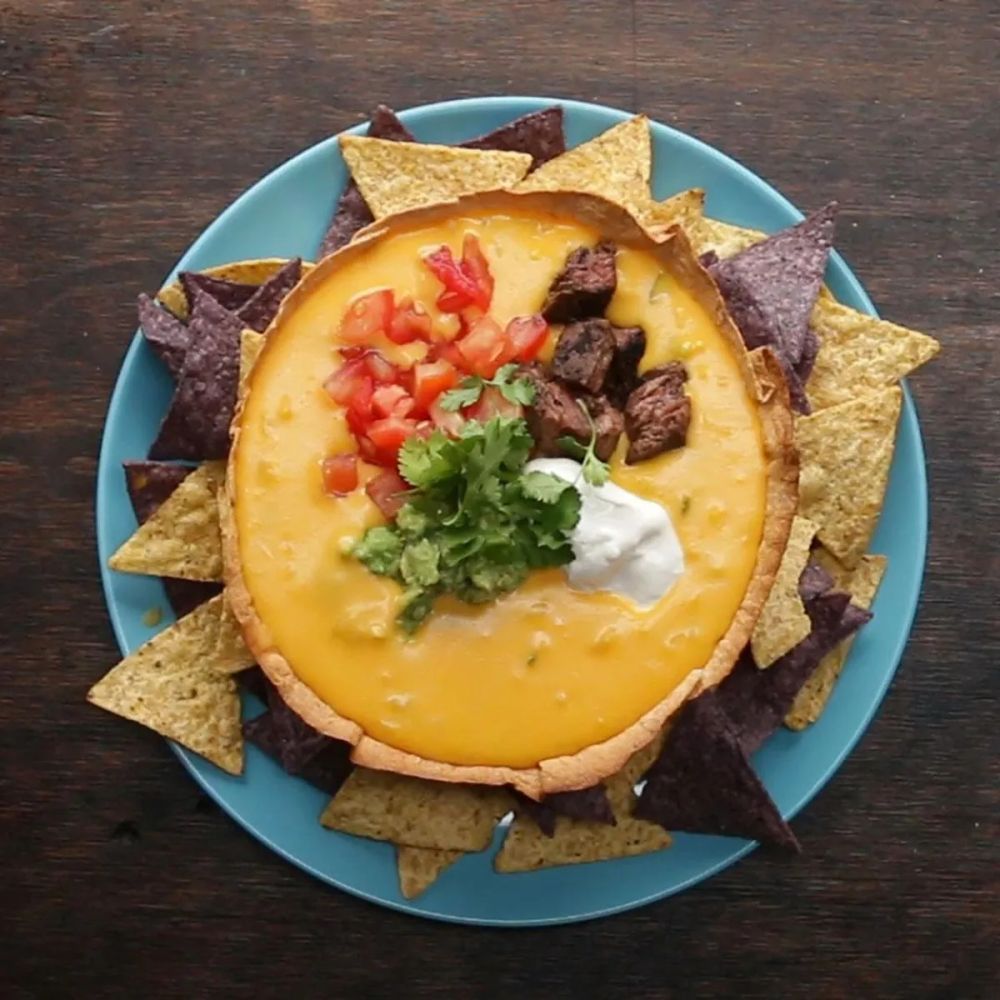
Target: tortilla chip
pixel 231 295
pixel 415 812
pixel 196 426
pixel 585 803
pixel 859 354
pixel 164 333
pixel 394 177
pixel 230 654
pixel 682 209
pixel 575 841
pixel 703 781
pixel 246 273
pixel 170 685
pixel 539 134
pixel 251 344
pixel 845 452
pixel 182 537
pixel 615 165
pixel 258 311
pixel 861 583
pixel 783 622
pixel 419 868
pixel 722 238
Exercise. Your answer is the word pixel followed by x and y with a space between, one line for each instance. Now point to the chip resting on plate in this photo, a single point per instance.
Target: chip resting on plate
pixel 574 841
pixel 844 453
pixel 710 236
pixel 230 654
pixel 165 333
pixel 861 354
pixel 196 426
pixel 251 344
pixel 231 285
pixel 682 209
pixel 258 311
pixel 783 622
pixel 861 583
pixel 615 165
pixel 394 177
pixel 231 295
pixel 539 134
pixel 170 685
pixel 420 867
pixel 181 538
pixel 416 812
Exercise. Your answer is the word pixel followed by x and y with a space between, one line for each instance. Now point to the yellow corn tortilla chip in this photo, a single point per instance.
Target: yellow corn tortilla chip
pixel 682 209
pixel 251 343
pixel 396 176
pixel 247 272
pixel 230 653
pixel 725 239
pixel 526 848
pixel 615 165
pixel 171 686
pixel 859 354
pixel 419 868
pixel 861 583
pixel 844 454
pixel 783 621
pixel 181 539
pixel 415 812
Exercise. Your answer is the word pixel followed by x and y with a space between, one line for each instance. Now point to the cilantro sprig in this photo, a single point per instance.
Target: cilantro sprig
pixel 516 390
pixel 476 523
pixel 595 471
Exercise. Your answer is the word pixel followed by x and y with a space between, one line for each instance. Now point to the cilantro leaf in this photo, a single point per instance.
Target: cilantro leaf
pixel 464 394
pixel 380 549
pixel 418 566
pixel 423 462
pixel 594 470
pixel 543 486
pixel 468 391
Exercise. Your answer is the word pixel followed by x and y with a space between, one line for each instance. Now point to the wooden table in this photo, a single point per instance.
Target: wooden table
pixel 125 127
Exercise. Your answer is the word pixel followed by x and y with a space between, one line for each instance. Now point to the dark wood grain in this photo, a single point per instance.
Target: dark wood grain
pixel 126 126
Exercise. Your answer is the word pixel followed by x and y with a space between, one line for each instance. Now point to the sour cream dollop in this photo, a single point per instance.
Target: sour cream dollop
pixel 622 543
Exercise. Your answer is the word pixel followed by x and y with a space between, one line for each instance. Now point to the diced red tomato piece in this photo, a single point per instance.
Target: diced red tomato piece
pixel 389 433
pixel 430 379
pixel 347 380
pixel 476 266
pixel 410 322
pixel 388 492
pixel 448 421
pixel 340 474
pixel 527 334
pixel 460 287
pixel 366 316
pixel 448 351
pixel 381 369
pixel 483 347
pixel 492 403
pixel 391 401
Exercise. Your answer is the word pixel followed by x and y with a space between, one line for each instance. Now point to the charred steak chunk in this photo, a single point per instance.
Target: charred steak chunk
pixel 623 373
pixel 583 354
pixel 673 372
pixel 608 426
pixel 657 414
pixel 584 286
pixel 555 413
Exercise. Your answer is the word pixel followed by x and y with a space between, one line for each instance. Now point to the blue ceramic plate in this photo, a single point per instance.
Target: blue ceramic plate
pixel 285 214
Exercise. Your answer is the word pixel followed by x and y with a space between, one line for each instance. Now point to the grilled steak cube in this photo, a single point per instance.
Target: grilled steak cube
pixel 623 374
pixel 657 414
pixel 554 413
pixel 584 286
pixel 673 373
pixel 583 354
pixel 608 425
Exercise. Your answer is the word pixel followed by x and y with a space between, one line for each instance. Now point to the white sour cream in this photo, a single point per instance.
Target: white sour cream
pixel 622 543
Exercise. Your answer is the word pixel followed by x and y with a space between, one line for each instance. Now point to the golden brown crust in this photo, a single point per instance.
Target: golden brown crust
pixel 764 380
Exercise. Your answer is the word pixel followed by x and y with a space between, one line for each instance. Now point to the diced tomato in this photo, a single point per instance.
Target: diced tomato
pixel 448 351
pixel 381 369
pixel 527 334
pixel 366 316
pixel 430 380
pixel 388 492
pixel 460 288
pixel 492 403
pixel 476 266
pixel 340 474
pixel 347 381
pixel 483 347
pixel 410 322
pixel 391 401
pixel 389 433
pixel 448 421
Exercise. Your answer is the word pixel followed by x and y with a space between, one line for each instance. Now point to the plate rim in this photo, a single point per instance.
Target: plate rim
pixel 413 115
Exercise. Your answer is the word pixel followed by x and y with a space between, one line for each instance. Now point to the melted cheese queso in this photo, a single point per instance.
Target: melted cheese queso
pixel 545 670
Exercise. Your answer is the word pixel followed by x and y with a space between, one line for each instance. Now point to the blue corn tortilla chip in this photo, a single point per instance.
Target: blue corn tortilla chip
pixel 352 213
pixel 587 803
pixel 254 682
pixel 702 782
pixel 539 134
pixel 258 311
pixel 149 484
pixel 771 287
pixel 299 749
pixel 814 581
pixel 230 295
pixel 196 426
pixel 164 333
